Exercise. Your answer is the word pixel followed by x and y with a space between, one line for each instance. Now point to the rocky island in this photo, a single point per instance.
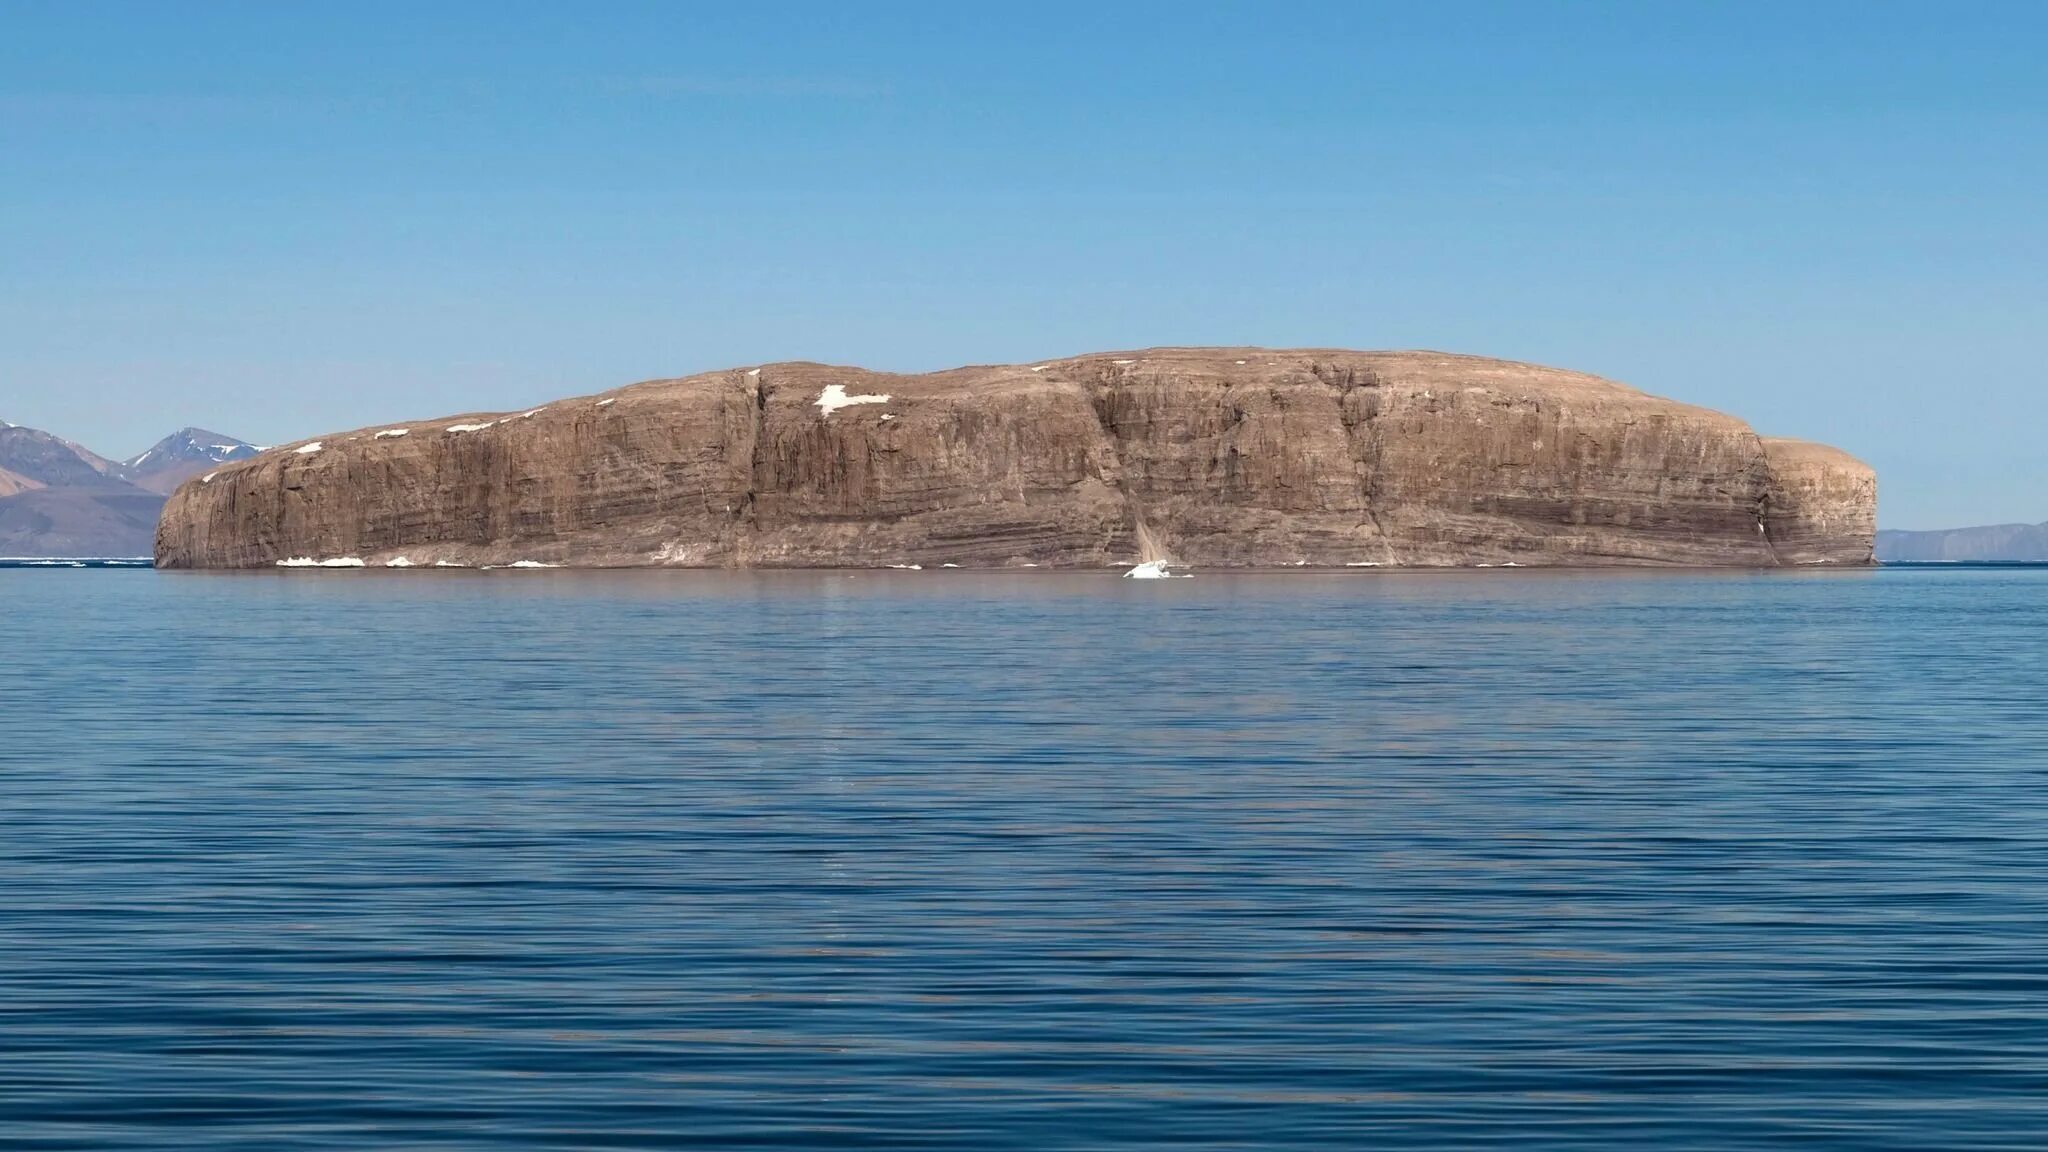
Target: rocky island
pixel 1217 457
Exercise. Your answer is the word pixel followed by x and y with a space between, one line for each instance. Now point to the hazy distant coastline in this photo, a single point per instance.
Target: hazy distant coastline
pixel 1992 543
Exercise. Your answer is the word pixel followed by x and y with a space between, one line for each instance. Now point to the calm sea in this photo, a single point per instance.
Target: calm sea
pixel 947 860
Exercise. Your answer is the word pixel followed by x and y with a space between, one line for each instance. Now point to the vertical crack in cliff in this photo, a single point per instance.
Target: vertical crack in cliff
pixel 744 511
pixel 1763 502
pixel 1103 393
pixel 1342 384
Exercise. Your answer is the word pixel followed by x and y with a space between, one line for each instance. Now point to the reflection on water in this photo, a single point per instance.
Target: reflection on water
pixel 548 859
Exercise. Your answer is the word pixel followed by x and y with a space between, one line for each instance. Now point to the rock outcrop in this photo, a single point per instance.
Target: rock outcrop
pixel 1210 457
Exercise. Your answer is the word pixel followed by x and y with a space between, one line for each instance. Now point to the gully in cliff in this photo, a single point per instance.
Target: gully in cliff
pixel 1219 457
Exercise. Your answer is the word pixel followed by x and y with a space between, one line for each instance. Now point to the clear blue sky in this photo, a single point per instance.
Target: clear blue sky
pixel 276 220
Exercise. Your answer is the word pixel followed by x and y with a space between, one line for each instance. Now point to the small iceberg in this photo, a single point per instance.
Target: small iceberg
pixel 1149 570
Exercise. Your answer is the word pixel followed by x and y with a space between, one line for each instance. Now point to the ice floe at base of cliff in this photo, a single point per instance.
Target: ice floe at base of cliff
pixel 331 562
pixel 834 397
pixel 909 567
pixel 1152 570
pixel 520 564
pixel 398 562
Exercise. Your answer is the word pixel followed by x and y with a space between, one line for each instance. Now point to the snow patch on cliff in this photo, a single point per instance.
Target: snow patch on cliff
pixel 834 397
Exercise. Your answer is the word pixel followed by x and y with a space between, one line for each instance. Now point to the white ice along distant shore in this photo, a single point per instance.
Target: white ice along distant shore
pixel 331 562
pixel 834 397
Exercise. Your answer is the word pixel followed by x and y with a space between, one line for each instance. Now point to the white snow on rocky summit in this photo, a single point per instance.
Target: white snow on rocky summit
pixel 834 397
pixel 471 427
pixel 390 433
pixel 309 449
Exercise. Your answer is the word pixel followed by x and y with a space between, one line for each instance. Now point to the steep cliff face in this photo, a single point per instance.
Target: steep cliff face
pixel 1206 456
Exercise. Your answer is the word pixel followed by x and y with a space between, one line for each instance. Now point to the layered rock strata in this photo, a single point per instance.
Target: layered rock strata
pixel 1209 457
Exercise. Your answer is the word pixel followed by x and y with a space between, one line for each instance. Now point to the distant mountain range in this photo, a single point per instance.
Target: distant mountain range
pixel 1993 543
pixel 60 499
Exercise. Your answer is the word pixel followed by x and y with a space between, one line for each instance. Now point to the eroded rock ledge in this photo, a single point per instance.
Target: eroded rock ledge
pixel 1212 457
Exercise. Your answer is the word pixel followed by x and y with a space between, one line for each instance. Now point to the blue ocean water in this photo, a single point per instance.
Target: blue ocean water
pixel 950 860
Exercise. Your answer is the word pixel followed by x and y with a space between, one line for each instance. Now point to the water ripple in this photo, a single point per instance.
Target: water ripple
pixel 941 860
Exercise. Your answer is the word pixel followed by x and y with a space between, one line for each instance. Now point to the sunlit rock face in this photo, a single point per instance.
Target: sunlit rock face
pixel 1208 457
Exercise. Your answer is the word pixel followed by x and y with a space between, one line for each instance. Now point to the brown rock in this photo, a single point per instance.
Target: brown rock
pixel 1211 457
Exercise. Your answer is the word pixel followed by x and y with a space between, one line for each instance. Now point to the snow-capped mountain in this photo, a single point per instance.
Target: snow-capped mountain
pixel 59 499
pixel 180 456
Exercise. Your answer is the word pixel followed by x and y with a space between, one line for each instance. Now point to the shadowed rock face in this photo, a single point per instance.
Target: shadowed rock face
pixel 1211 457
